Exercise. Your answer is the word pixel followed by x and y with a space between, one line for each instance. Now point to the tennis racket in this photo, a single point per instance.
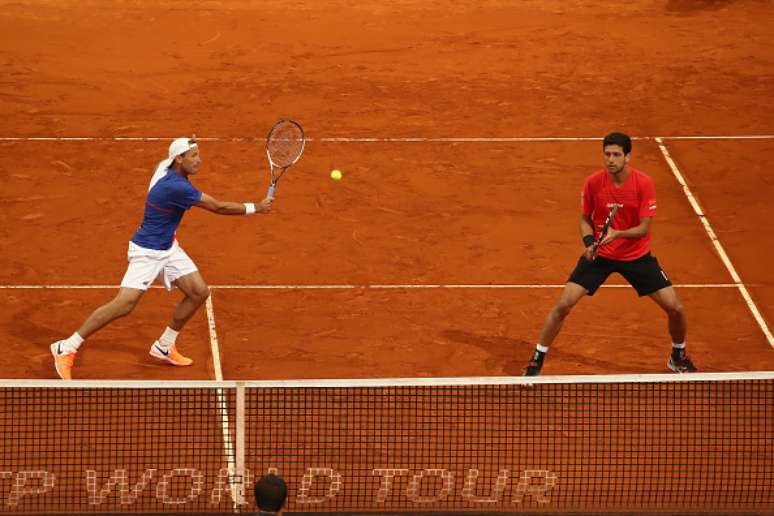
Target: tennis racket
pixel 604 229
pixel 284 147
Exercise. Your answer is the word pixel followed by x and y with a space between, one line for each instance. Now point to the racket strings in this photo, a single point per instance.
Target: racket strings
pixel 285 144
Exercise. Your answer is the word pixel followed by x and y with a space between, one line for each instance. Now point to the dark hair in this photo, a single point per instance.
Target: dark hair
pixel 270 493
pixel 620 139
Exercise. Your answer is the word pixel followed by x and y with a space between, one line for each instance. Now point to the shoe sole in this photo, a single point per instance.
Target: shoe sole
pixel 56 362
pixel 671 365
pixel 528 374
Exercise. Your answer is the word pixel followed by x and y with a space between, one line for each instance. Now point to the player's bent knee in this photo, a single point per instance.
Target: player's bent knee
pixel 201 293
pixel 124 307
pixel 675 310
pixel 562 309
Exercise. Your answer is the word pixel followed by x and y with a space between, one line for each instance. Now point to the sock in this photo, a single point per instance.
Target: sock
pixel 678 349
pixel 167 339
pixel 72 343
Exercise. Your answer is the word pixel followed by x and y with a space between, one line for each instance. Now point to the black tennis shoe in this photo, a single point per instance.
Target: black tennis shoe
pixel 535 364
pixel 681 364
pixel 533 368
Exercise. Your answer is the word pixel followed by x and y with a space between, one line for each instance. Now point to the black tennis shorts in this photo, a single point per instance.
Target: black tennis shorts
pixel 644 274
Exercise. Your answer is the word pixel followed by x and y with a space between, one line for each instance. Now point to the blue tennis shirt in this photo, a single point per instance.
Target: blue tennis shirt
pixel 167 202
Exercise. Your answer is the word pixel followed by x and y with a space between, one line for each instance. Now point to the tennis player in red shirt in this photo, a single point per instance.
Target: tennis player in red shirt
pixel 623 249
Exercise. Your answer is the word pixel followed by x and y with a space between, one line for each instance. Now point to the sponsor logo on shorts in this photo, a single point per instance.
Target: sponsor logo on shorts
pixel 664 274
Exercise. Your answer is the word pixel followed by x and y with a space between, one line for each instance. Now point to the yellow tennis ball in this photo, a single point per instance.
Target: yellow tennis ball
pixel 336 175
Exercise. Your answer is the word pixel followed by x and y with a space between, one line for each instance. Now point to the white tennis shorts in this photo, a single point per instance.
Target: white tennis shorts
pixel 145 265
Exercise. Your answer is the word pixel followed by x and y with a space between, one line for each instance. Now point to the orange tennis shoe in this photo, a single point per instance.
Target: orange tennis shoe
pixel 171 356
pixel 63 362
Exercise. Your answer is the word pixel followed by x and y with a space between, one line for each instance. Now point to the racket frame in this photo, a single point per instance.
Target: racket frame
pixel 274 166
pixel 605 227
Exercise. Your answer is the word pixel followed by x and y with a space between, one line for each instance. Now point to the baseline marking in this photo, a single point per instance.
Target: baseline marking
pixel 409 139
pixel 718 247
pixel 211 315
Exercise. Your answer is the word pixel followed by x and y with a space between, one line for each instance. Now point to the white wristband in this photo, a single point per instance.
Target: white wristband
pixel 249 208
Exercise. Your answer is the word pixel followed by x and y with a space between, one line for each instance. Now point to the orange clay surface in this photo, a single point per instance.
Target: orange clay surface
pixel 406 213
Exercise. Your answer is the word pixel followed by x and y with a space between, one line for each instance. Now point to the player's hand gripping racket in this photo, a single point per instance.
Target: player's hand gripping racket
pixel 603 231
pixel 284 147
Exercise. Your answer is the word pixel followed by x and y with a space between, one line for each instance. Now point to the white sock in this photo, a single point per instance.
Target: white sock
pixel 72 343
pixel 542 348
pixel 167 339
pixel 678 345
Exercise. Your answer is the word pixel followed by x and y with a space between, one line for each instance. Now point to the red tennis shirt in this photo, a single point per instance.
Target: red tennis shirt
pixel 636 198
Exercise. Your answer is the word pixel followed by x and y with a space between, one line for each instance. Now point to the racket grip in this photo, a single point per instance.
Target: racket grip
pixel 270 193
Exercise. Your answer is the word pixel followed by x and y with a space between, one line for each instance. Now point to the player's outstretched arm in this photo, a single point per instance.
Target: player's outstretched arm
pixel 210 203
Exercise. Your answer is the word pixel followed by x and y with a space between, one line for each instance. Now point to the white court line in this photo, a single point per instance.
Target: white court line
pixel 211 316
pixel 228 445
pixel 517 139
pixel 718 247
pixel 214 340
pixel 408 139
pixel 110 139
pixel 440 286
pixel 461 139
pixel 740 137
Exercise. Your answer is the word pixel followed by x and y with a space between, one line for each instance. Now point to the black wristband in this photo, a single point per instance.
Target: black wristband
pixel 588 240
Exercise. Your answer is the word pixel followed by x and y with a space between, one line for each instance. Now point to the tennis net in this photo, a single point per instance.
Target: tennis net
pixel 634 443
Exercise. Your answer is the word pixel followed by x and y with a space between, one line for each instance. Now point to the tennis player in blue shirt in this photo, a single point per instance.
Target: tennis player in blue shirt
pixel 155 253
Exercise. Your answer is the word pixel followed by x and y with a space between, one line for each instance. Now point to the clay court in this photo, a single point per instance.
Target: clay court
pixel 464 131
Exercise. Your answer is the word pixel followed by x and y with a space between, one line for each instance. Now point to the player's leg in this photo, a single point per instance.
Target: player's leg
pixel 181 272
pixel 120 306
pixel 647 277
pixel 585 279
pixel 571 294
pixel 195 292
pixel 667 299
pixel 144 266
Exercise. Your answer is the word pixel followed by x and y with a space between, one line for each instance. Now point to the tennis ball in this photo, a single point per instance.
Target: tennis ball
pixel 336 175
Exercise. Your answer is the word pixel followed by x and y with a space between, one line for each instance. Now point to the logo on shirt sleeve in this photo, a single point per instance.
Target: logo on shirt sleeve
pixel 651 204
